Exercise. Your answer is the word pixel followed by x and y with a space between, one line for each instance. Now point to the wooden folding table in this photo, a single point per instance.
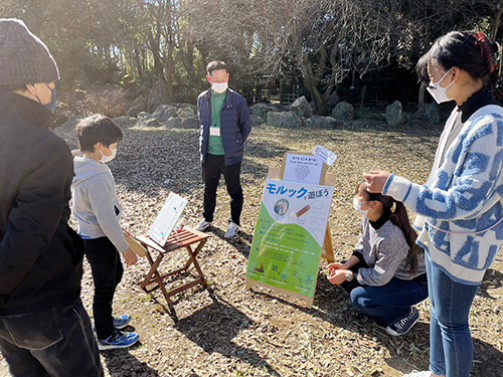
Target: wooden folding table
pixel 188 238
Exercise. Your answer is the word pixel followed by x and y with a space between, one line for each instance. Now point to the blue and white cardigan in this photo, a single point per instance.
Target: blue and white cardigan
pixel 460 209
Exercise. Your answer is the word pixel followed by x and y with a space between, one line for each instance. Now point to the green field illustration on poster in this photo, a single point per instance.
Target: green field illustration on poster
pixel 288 238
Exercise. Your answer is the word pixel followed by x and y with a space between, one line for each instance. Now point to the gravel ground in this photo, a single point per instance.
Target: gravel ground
pixel 228 330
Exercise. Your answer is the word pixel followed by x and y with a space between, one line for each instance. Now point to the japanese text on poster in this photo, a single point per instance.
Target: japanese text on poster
pixel 289 235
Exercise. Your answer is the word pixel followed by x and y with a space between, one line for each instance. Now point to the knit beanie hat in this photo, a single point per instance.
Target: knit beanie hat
pixel 24 58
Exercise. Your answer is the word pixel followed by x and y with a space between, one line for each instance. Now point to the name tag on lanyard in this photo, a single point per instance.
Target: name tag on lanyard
pixel 214 131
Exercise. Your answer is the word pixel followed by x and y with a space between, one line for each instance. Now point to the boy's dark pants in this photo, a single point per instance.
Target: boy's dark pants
pixel 213 167
pixel 107 270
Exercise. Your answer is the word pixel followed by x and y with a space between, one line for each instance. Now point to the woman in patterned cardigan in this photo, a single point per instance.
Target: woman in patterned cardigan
pixel 460 209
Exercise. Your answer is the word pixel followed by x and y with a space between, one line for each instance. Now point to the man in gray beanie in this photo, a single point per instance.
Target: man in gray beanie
pixel 44 329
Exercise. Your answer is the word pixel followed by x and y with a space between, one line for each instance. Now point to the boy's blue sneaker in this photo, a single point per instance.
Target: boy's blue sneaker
pixel 119 339
pixel 122 321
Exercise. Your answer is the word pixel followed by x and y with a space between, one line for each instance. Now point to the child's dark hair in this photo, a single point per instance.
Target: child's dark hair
pixel 215 66
pixel 474 53
pixel 400 218
pixel 97 128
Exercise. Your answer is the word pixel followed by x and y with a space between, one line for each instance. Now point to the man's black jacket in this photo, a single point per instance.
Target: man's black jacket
pixel 40 255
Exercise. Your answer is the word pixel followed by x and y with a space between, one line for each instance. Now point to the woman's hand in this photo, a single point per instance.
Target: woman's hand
pixel 336 266
pixel 337 277
pixel 375 180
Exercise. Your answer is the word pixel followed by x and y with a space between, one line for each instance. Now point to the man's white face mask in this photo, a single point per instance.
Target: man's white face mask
pixel 219 87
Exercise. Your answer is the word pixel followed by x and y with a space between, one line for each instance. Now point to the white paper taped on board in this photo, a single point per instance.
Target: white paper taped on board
pixel 327 156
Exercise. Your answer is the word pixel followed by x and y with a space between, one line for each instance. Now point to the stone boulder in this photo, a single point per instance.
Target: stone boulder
pixel 332 100
pixel 125 121
pixel 317 121
pixel 257 120
pixel 177 122
pixel 343 112
pixel 138 105
pixel 146 120
pixel 288 119
pixel 302 107
pixel 428 113
pixel 144 115
pixel 190 123
pixel 394 114
pixel 158 95
pixel 186 112
pixel 260 109
pixel 174 122
pixel 164 112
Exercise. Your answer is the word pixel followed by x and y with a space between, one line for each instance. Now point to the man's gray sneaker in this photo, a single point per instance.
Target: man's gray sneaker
pixel 203 225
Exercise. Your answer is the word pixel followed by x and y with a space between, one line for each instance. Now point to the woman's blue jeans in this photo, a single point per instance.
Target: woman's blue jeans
pixel 451 345
pixel 390 302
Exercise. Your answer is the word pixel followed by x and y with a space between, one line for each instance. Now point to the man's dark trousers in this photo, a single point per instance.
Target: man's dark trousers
pixel 57 342
pixel 213 167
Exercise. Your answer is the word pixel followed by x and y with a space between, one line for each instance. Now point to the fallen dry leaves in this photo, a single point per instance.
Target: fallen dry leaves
pixel 227 330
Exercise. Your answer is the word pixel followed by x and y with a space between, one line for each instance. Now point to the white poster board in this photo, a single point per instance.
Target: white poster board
pixel 166 219
pixel 289 236
pixel 303 168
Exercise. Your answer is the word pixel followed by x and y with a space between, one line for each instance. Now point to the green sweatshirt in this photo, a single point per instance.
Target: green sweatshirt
pixel 215 144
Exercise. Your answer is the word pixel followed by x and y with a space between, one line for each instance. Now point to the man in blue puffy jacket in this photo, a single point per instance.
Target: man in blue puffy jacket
pixel 225 125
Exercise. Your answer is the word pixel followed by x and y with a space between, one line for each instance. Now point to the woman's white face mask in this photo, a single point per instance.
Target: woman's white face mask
pixel 438 93
pixel 357 205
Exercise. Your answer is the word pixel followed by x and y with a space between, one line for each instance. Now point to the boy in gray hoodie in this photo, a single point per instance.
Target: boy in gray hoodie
pixel 97 209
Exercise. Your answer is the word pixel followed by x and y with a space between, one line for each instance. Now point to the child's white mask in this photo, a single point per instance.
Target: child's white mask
pixel 105 159
pixel 357 205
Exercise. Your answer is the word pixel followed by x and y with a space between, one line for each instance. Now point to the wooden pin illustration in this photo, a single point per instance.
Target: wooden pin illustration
pixel 303 210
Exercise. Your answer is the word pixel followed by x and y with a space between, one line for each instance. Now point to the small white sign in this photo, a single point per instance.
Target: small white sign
pixel 327 156
pixel 166 219
pixel 303 168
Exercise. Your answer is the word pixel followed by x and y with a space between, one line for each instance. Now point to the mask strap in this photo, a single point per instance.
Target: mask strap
pixel 443 77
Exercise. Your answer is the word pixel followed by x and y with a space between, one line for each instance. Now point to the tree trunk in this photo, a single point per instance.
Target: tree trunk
pixel 170 69
pixel 496 21
pixel 318 98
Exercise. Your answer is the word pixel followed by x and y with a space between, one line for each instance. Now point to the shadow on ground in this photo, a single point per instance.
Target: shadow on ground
pixel 121 363
pixel 214 327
